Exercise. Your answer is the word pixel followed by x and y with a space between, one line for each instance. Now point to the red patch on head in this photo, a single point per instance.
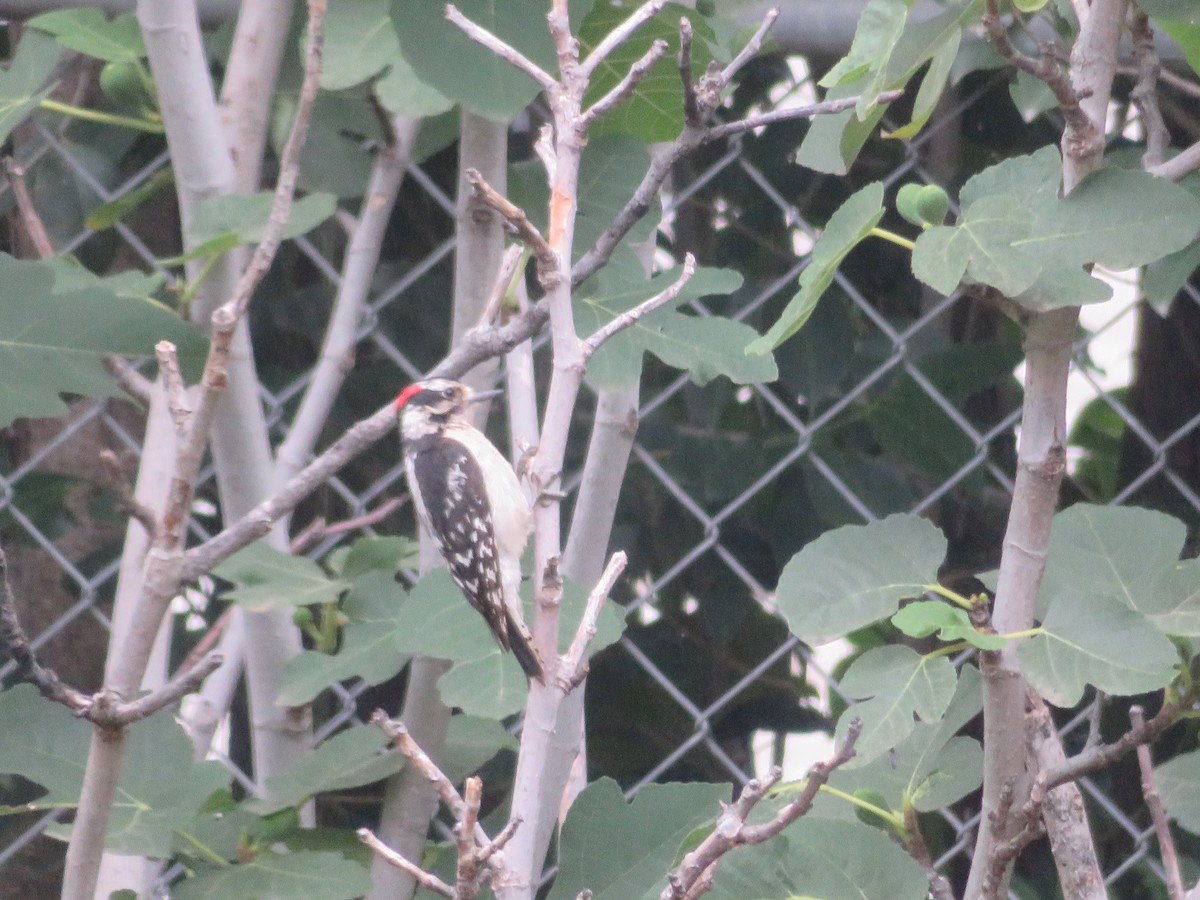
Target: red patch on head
pixel 407 394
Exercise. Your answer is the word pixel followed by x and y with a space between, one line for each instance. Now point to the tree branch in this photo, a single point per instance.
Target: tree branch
pixel 425 879
pixel 694 875
pixel 620 34
pixel 526 230
pixel 505 51
pixel 573 668
pixel 630 317
pixel 624 88
pixel 1158 814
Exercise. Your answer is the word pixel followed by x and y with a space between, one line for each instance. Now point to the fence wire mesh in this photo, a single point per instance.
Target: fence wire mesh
pixel 80 556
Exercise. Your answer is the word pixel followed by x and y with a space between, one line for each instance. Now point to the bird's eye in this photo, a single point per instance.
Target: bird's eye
pixel 448 393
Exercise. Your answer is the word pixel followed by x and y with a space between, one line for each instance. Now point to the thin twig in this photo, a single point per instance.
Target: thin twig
pixel 694 875
pixel 176 391
pixel 691 111
pixel 546 257
pixel 184 682
pixel 1145 91
pixel 500 285
pixel 1105 755
pixel 621 33
pixel 1046 69
pixel 1162 827
pixel 289 166
pixel 20 651
pixel 135 385
pixel 643 309
pixel 752 46
pixel 505 51
pixel 29 214
pixel 1179 165
pixel 391 857
pixel 118 479
pixel 320 529
pixel 468 869
pixel 1007 850
pixel 573 668
pixel 824 108
pixel 623 89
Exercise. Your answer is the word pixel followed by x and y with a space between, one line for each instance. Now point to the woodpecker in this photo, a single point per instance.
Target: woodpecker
pixel 469 499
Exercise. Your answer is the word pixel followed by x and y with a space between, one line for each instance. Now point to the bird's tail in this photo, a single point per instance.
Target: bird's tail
pixel 520 641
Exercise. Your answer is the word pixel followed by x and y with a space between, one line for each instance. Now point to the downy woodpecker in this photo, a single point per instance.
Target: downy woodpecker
pixel 469 499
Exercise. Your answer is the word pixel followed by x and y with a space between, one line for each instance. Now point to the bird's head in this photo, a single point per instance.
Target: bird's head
pixel 433 397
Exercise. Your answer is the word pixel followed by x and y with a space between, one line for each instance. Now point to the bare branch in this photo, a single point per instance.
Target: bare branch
pixel 1004 852
pixel 184 682
pixel 1179 165
pixel 1105 755
pixel 172 380
pixel 547 259
pixel 398 732
pixel 1145 91
pixel 467 871
pixel 1162 828
pixel 752 46
pixel 694 875
pixel 320 529
pixel 289 168
pixel 423 878
pixel 20 650
pixel 500 285
pixel 621 33
pixel 824 108
pixel 135 385
pixel 573 668
pixel 691 111
pixel 643 309
pixel 118 479
pixel 29 214
pixel 624 88
pixel 506 52
pixel 1046 69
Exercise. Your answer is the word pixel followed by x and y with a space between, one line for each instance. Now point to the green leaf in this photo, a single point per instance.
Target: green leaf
pixel 42 343
pixel 931 768
pixel 402 93
pixel 705 347
pixel 89 31
pixel 106 215
pixel 385 554
pixel 1115 550
pixel 820 857
pixel 23 84
pixel 832 142
pixel 655 110
pixel 981 247
pixel 270 579
pixel 933 82
pixel 357 756
pixel 1179 786
pixel 903 686
pixel 879 28
pixel 952 623
pixel 445 58
pixel 847 228
pixel 296 876
pixel 160 788
pixel 246 216
pixel 1093 638
pixel 1016 235
pixel 360 40
pixel 641 839
pixel 858 574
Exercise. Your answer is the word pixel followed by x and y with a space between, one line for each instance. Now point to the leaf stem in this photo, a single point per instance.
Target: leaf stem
pixel 953 596
pixel 887 815
pixel 893 238
pixel 93 115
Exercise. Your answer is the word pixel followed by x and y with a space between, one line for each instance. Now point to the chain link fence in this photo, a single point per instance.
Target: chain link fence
pixel 77 548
